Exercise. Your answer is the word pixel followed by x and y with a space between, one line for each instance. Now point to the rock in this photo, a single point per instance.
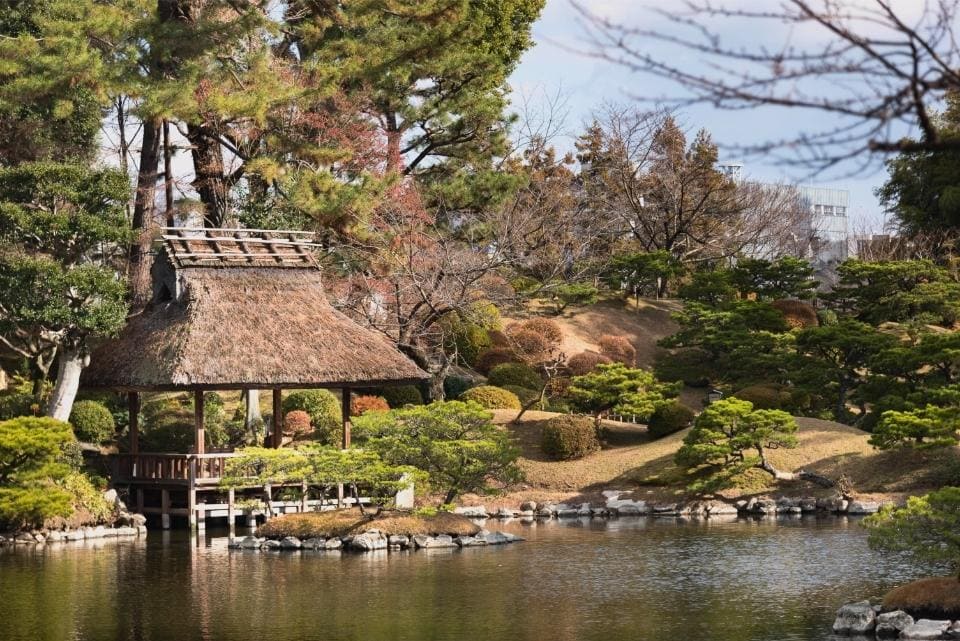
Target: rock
pixel 667 509
pixel 584 510
pixel 719 507
pixel 808 504
pixel 139 520
pixel 141 530
pixel 39 538
pixel 863 507
pixel 544 513
pixel 567 512
pixel 612 494
pixel 56 537
pixel 785 502
pixel 3 540
pixel 889 624
pixel 793 509
pixel 926 629
pixel 333 544
pixel 470 541
pixel 599 511
pixel 127 531
pixel 472 511
pixel 499 538
pixel 399 540
pixel 527 514
pixel 290 543
pixel 111 496
pixel 368 541
pixel 270 544
pixel 75 535
pixel 855 618
pixel 741 505
pixel 313 543
pixel 25 537
pixel 251 543
pixel 98 533
pixel 953 631
pixel 234 543
pixel 528 506
pixel 439 541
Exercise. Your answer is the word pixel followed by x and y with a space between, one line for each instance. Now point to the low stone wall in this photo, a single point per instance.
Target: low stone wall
pixel 615 506
pixel 865 620
pixel 79 534
pixel 375 540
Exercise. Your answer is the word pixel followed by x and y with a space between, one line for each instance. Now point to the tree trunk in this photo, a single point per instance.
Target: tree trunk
pixel 799 475
pixel 252 397
pixel 72 362
pixel 144 215
pixel 209 181
pixel 451 494
pixel 393 143
pixel 539 398
pixel 167 175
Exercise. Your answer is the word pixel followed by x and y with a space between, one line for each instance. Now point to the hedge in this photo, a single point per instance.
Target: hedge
pixel 569 437
pixel 492 398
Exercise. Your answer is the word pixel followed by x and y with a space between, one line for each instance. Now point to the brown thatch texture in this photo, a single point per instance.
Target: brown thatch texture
pixel 247 327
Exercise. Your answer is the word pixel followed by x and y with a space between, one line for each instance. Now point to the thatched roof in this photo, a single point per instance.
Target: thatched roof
pixel 231 327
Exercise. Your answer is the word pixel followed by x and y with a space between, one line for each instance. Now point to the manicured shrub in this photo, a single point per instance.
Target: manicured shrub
pixel 86 499
pixel 92 422
pixel 492 398
pixel 936 598
pixel 493 357
pixel 797 313
pixel 669 418
pixel 18 400
pixel 516 374
pixel 569 437
pixel 689 366
pixel 528 345
pixel 401 396
pixel 585 362
pixel 324 409
pixel 297 423
pixel 545 327
pixel 454 386
pixel 767 396
pixel 364 403
pixel 525 395
pixel 31 450
pixel 467 339
pixel 827 317
pixel 618 349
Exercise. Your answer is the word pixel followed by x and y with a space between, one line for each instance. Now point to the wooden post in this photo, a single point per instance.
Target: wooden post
pixel 231 510
pixel 165 509
pixel 303 496
pixel 201 510
pixel 192 494
pixel 276 437
pixel 345 407
pixel 199 432
pixel 133 408
pixel 139 500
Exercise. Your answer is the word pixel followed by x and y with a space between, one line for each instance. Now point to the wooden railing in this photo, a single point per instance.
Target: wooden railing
pixel 199 469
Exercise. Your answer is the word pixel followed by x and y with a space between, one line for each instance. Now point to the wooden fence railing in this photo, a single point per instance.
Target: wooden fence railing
pixel 204 469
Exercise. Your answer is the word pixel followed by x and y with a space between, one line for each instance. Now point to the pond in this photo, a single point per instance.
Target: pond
pixel 632 578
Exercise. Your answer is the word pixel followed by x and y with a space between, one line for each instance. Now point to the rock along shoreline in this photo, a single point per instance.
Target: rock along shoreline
pixel 863 620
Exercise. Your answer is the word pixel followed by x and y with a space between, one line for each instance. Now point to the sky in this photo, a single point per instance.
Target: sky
pixel 556 65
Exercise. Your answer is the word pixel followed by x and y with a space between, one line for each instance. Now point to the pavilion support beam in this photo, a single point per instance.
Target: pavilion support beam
pixel 198 423
pixel 345 407
pixel 133 407
pixel 276 435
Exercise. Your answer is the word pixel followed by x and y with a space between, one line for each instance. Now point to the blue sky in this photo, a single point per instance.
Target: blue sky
pixel 585 82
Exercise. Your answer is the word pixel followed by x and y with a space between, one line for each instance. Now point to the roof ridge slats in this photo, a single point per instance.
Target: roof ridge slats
pixel 211 247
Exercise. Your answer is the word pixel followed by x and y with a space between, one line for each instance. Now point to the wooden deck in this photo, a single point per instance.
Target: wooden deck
pixel 190 470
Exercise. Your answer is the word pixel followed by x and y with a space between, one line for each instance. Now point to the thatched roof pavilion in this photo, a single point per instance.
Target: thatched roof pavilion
pixel 242 309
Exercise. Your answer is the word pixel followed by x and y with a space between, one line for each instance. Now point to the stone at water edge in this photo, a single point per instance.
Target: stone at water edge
pixel 472 511
pixel 855 618
pixel 371 540
pixel 469 541
pixel 290 543
pixel 270 544
pixel 251 543
pixel 399 540
pixel 528 506
pixel 889 624
pixel 333 544
pixel 863 507
pixel 926 629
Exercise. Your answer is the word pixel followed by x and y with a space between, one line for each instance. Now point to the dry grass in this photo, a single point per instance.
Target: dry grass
pixel 351 521
pixel 937 598
pixel 630 460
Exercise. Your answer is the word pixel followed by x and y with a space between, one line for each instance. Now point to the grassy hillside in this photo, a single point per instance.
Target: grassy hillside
pixel 631 461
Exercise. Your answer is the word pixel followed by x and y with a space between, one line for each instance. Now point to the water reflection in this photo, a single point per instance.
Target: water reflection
pixel 632 578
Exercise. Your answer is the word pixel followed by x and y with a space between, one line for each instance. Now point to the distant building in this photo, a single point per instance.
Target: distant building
pixel 829 228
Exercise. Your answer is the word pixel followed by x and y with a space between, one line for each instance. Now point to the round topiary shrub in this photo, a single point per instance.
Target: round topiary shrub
pixel 401 396
pixel 618 349
pixel 493 357
pixel 827 317
pixel 585 362
pixel 569 437
pixel 669 418
pixel 516 374
pixel 92 422
pixel 934 598
pixel 797 313
pixel 361 404
pixel 454 386
pixel 525 395
pixel 323 407
pixel 545 327
pixel 528 344
pixel 687 365
pixel 492 398
pixel 767 396
pixel 297 424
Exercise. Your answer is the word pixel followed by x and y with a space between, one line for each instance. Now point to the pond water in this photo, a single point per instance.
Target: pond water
pixel 626 579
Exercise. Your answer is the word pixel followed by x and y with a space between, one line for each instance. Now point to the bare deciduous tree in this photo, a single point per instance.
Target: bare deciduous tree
pixel 887 66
